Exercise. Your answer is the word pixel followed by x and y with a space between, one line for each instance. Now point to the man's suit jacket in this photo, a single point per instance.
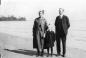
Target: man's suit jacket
pixel 65 24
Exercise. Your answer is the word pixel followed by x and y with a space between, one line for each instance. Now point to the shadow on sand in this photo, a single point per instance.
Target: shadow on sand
pixel 25 52
pixel 21 51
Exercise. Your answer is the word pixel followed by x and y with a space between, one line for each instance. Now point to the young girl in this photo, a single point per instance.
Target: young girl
pixel 49 41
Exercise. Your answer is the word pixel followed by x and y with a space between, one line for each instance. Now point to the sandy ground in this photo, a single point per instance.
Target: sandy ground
pixel 71 53
pixel 14 43
pixel 18 35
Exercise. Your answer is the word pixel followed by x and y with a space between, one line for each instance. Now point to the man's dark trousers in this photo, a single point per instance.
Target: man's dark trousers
pixel 60 38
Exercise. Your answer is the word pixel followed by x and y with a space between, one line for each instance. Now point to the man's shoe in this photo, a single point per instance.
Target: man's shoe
pixel 63 55
pixel 42 54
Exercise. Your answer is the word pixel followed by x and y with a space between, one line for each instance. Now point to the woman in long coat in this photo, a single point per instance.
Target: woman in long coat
pixel 39 30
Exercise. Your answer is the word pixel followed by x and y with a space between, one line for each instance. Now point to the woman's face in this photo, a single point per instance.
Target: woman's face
pixel 40 14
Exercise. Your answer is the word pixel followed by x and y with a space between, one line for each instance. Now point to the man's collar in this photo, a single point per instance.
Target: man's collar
pixel 61 16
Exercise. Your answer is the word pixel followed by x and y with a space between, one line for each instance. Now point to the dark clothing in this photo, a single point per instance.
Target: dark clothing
pixel 58 43
pixel 61 25
pixel 61 31
pixel 65 24
pixel 49 39
pixel 39 28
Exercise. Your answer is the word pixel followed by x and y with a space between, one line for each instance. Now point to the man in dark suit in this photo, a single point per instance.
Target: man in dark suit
pixel 61 25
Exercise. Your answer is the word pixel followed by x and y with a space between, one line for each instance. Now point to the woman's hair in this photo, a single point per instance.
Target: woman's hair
pixel 41 11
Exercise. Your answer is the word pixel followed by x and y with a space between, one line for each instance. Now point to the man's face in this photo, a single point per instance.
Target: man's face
pixel 60 11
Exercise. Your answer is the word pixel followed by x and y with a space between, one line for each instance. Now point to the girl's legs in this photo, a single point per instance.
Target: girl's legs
pixel 51 51
pixel 47 52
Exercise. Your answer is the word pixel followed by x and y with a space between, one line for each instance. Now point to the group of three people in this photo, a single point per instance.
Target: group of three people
pixel 40 28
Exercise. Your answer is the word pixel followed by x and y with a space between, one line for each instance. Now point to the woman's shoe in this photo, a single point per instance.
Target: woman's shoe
pixel 58 54
pixel 37 54
pixel 48 55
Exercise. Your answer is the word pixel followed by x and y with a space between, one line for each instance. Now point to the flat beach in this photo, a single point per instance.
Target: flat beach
pixel 16 41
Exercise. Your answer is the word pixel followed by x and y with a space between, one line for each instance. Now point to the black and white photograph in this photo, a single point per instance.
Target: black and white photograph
pixel 42 29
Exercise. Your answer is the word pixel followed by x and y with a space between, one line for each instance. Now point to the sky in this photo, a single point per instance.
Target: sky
pixel 74 9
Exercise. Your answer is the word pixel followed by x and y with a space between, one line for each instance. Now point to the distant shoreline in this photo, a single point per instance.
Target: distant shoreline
pixel 12 18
